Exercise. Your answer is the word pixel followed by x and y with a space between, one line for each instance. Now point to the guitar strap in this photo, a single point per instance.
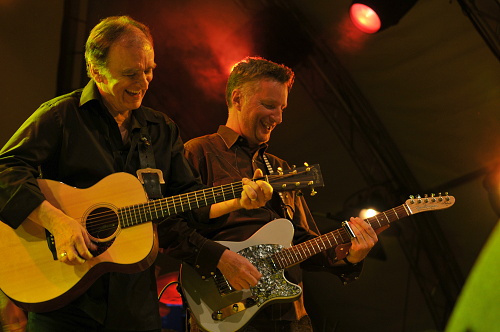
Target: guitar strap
pixel 285 207
pixel 150 177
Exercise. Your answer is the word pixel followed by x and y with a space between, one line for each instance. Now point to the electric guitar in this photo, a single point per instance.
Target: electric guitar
pixel 118 217
pixel 217 307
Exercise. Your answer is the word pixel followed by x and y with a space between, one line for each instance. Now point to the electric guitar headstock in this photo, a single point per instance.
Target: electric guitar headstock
pixel 431 202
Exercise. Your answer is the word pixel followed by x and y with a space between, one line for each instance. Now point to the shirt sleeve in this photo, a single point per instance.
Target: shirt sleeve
pixel 20 158
pixel 186 244
pixel 179 238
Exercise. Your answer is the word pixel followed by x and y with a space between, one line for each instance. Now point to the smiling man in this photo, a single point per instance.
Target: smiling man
pixel 256 95
pixel 81 138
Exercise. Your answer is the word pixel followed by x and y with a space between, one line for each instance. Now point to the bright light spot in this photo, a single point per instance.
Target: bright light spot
pixel 364 18
pixel 367 213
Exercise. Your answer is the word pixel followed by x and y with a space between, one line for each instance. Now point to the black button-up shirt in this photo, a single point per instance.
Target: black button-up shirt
pixel 75 140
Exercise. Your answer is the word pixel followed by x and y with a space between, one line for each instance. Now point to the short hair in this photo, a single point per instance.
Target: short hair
pixel 105 33
pixel 256 68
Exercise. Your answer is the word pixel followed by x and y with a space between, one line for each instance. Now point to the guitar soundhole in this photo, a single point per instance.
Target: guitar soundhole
pixel 102 223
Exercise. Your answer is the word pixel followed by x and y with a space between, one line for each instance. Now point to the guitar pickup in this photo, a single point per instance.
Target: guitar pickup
pixel 234 308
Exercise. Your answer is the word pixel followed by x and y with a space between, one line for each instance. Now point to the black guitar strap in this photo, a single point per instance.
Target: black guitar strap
pixel 287 209
pixel 150 177
pixel 284 207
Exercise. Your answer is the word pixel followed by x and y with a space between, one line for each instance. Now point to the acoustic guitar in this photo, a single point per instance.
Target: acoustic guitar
pixel 118 218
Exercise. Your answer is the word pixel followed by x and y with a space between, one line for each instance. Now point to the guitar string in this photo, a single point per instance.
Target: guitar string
pixel 189 198
pixel 293 255
pixel 168 204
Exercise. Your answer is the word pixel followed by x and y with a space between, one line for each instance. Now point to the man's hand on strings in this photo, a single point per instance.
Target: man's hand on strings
pixel 255 193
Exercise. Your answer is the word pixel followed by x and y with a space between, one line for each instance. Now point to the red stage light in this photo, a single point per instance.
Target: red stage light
pixel 372 16
pixel 364 18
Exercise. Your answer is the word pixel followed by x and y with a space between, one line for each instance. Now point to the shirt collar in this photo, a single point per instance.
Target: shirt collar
pixel 139 117
pixel 231 138
pixel 89 93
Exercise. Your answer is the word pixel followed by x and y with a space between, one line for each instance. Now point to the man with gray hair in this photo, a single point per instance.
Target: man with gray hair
pixel 85 136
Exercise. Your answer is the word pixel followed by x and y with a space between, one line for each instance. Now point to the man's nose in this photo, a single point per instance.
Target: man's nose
pixel 143 80
pixel 277 115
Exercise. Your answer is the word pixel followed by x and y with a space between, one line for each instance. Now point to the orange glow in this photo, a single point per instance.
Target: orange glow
pixel 364 18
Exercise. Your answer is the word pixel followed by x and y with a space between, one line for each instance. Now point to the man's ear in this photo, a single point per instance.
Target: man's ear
pixel 236 97
pixel 96 75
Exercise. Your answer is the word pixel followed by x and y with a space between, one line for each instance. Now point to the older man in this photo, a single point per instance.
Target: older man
pixel 83 137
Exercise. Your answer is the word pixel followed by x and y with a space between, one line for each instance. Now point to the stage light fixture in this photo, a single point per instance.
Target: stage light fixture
pixel 371 16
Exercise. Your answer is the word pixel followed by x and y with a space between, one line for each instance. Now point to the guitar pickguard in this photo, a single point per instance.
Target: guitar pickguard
pixel 273 284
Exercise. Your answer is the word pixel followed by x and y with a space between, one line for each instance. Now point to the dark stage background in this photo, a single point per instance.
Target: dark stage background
pixel 413 109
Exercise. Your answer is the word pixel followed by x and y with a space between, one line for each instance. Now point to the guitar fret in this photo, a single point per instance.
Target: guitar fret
pixel 189 203
pixel 181 204
pixel 150 211
pixel 320 238
pixel 283 258
pixel 156 210
pixel 213 195
pixel 174 204
pixel 297 255
pixel 319 247
pixel 165 210
pixel 407 209
pixel 223 196
pixel 137 214
pixel 307 247
pixel 232 189
pixel 196 199
pixel 128 216
pixel 287 257
pixel 396 213
pixel 386 219
pixel 330 243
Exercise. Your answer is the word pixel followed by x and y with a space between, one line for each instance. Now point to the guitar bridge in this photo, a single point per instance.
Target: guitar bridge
pixel 223 285
pixel 233 308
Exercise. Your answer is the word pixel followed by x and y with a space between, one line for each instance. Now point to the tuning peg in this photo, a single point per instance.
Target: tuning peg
pixel 306 164
pixel 280 171
pixel 313 192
